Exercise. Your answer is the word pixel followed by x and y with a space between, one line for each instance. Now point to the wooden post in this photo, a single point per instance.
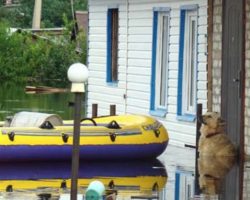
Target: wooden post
pixel 198 126
pixel 94 110
pixel 210 55
pixel 76 147
pixel 37 14
pixel 112 110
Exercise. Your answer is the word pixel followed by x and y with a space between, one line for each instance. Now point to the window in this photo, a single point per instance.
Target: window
pixel 187 63
pixel 160 53
pixel 112 45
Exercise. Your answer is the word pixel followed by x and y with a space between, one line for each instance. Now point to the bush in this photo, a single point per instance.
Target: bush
pixel 52 12
pixel 28 58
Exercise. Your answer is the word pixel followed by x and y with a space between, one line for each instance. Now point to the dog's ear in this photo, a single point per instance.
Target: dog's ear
pixel 221 121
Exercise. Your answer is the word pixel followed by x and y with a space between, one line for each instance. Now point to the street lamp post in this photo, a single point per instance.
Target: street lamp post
pixel 78 75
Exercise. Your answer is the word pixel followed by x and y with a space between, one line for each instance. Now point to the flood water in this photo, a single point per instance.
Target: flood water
pixel 13 99
pixel 170 177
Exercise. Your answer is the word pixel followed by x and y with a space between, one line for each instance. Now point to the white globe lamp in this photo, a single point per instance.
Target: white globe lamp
pixel 78 74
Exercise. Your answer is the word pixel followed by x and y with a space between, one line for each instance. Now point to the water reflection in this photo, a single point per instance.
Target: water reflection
pixel 14 99
pixel 220 178
pixel 133 180
pixel 50 180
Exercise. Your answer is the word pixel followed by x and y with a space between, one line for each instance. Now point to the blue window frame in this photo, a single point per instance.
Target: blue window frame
pixel 160 52
pixel 112 45
pixel 187 76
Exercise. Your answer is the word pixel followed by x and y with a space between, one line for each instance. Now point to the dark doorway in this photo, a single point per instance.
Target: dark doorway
pixel 232 91
pixel 233 68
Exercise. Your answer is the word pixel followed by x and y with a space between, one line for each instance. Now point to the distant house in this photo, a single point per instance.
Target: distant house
pixel 150 57
pixel 82 20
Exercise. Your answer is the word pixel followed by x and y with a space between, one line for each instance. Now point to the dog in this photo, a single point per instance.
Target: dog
pixel 217 154
pixel 212 171
pixel 213 140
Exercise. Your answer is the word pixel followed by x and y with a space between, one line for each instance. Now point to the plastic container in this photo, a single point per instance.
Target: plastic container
pixel 95 191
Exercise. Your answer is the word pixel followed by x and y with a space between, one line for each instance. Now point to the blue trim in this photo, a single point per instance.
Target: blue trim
pixel 162 9
pixel 153 68
pixel 109 45
pixel 112 84
pixel 177 186
pixel 158 112
pixel 180 68
pixel 189 7
pixel 187 118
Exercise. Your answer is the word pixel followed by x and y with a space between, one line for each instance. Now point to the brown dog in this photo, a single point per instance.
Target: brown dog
pixel 217 153
pixel 212 171
pixel 213 140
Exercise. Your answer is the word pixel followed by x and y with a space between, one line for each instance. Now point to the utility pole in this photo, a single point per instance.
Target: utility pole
pixel 36 24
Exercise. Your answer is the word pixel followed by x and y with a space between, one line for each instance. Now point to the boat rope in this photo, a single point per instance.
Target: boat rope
pixel 112 136
pixel 63 184
pixel 157 133
pixel 47 125
pixel 83 133
pixel 89 119
pixel 111 184
pixel 65 137
pixel 155 187
pixel 113 125
pixel 9 188
pixel 11 135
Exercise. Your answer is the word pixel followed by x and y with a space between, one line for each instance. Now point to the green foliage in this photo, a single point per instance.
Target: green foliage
pixel 52 12
pixel 25 57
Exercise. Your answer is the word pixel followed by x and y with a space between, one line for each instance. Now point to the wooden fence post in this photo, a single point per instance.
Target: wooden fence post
pixel 112 110
pixel 198 126
pixel 94 110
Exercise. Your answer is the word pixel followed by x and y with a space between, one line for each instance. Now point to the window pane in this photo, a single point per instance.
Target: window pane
pixel 193 62
pixel 189 65
pixel 162 60
pixel 114 44
pixel 163 81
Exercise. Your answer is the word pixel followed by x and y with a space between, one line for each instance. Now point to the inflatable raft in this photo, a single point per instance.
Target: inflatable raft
pixel 39 136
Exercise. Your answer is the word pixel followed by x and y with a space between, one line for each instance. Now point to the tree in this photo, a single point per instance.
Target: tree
pixel 25 57
pixel 52 13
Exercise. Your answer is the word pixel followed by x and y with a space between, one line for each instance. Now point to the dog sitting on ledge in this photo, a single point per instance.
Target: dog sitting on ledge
pixel 217 153
pixel 213 140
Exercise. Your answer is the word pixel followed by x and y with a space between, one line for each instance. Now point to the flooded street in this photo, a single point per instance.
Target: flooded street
pixel 171 177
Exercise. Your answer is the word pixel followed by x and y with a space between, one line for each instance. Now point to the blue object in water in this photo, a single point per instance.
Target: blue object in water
pixel 95 190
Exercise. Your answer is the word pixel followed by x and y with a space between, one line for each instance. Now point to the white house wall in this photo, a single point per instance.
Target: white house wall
pixel 132 95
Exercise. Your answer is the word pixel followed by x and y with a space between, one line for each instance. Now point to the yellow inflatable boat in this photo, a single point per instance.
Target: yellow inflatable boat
pixel 39 136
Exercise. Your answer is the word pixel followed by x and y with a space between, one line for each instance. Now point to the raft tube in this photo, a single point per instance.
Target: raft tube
pixel 104 138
